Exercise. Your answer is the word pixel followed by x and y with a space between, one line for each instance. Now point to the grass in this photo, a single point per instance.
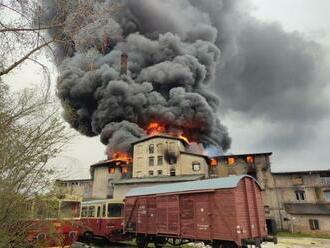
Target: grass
pixel 303 235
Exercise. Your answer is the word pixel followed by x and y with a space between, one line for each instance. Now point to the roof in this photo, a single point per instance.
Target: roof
pixel 244 155
pixel 308 208
pixel 160 179
pixel 163 136
pixel 109 162
pixel 326 172
pixel 195 154
pixel 94 202
pixel 74 180
pixel 210 184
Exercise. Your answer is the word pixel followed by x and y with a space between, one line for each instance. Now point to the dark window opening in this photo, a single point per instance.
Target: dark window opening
pixel 160 172
pixel 151 148
pixel 98 211
pixel 172 172
pixel 300 195
pixel 103 210
pixel 115 210
pixel 151 173
pixel 314 224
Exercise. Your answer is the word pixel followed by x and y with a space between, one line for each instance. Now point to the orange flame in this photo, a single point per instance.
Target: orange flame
pixel 214 162
pixel 121 156
pixel 184 138
pixel 155 128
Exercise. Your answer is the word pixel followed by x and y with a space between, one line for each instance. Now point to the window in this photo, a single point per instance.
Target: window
pixel 91 211
pixel 160 148
pixel 110 188
pixel 151 148
pixel 250 159
pixel 115 210
pixel 84 212
pixel 112 170
pixel 300 195
pixel 151 161
pixel 160 160
pixel 151 173
pixel 98 213
pixel 327 195
pixel 159 172
pixel 314 224
pixel 196 166
pixel 231 160
pixel 172 172
pixel 267 209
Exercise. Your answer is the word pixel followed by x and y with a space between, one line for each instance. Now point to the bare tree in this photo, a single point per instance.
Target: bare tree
pixel 27 28
pixel 31 133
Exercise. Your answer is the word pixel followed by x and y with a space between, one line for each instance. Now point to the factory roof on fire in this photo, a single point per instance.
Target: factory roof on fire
pixel 163 136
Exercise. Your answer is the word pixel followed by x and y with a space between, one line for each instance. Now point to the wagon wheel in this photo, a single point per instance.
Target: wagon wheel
pixel 142 242
pixel 88 237
pixel 223 244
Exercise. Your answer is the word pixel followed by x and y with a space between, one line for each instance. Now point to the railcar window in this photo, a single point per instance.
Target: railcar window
pixel 91 211
pixel 84 212
pixel 98 211
pixel 115 210
pixel 103 210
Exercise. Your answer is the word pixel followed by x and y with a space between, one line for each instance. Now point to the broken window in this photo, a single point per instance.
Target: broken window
pixel 314 224
pixel 160 172
pixel 151 173
pixel 300 195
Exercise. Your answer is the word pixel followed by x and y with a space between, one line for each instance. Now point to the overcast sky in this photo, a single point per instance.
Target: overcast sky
pixel 298 136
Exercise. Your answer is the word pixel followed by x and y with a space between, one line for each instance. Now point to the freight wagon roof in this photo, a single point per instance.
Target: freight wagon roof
pixel 210 184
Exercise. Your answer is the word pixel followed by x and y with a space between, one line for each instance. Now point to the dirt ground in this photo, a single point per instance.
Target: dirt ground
pixel 283 243
pixel 299 243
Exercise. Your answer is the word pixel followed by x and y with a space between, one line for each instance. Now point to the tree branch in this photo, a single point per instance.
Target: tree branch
pixel 14 65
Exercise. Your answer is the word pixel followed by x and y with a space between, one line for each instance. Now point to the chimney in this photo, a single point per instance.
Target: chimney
pixel 123 64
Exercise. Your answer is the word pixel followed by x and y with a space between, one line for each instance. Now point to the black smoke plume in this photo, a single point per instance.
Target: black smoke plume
pixel 172 59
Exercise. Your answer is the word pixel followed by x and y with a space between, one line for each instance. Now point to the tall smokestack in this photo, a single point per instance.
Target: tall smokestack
pixel 123 64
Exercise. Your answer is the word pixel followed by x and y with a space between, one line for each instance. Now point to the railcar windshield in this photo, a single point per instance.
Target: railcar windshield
pixel 115 210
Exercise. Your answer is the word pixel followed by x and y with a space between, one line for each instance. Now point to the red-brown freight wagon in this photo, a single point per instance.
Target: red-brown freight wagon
pixel 224 212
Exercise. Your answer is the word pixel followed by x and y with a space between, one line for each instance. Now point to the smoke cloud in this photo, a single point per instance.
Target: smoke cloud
pixel 183 55
pixel 172 58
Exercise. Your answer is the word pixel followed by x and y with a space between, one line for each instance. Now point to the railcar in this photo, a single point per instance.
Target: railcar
pixel 102 218
pixel 53 222
pixel 222 212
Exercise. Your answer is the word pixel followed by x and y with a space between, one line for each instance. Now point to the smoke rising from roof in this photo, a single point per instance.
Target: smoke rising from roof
pixel 172 59
pixel 178 51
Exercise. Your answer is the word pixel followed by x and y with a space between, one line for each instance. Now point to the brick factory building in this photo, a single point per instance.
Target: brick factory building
pixel 294 201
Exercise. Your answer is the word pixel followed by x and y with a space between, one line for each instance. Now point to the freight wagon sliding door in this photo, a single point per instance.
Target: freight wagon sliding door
pixel 195 216
pixel 168 214
pixel 202 216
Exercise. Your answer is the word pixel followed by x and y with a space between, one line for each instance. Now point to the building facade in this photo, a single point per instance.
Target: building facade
pixel 294 201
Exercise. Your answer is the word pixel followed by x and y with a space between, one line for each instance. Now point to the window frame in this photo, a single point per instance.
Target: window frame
pixel 314 224
pixel 195 163
pixel 109 205
pixel 151 173
pixel 152 158
pixel 160 158
pixel 151 149
pixel 300 195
